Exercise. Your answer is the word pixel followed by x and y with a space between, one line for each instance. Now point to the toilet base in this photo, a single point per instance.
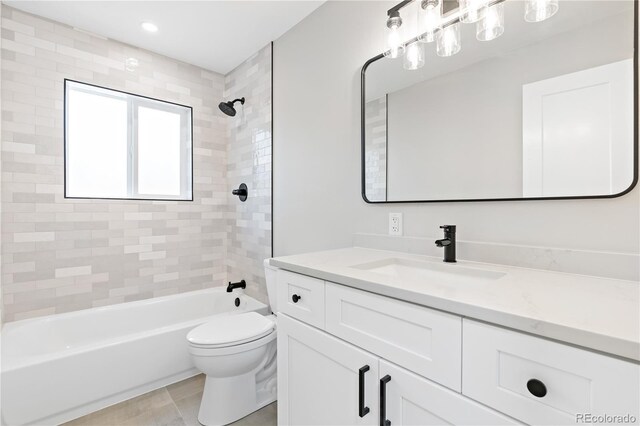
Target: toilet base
pixel 226 400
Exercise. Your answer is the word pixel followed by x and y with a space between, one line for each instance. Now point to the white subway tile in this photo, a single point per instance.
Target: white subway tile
pixel 73 271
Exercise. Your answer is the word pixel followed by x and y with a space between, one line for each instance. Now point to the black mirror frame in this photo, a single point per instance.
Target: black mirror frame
pixel 581 197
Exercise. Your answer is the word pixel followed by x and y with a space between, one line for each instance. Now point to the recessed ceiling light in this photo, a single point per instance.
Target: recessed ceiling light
pixel 149 26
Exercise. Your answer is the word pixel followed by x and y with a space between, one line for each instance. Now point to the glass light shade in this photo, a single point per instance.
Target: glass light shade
pixel 448 40
pixel 472 10
pixel 394 43
pixel 492 25
pixel 539 10
pixel 414 57
pixel 429 20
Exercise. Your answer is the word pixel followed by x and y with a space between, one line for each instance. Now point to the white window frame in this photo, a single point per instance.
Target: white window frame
pixel 133 103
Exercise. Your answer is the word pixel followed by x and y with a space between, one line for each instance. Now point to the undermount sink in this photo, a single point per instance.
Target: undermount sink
pixel 435 272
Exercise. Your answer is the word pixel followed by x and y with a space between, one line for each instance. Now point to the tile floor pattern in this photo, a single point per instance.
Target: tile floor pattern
pixel 174 405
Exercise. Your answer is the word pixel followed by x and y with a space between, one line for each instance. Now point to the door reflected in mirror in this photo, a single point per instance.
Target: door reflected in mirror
pixel 544 111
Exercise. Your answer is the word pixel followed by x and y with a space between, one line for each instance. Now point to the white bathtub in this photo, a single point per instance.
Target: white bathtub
pixel 60 367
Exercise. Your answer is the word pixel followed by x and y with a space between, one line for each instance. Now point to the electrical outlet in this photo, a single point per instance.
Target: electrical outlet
pixel 395 223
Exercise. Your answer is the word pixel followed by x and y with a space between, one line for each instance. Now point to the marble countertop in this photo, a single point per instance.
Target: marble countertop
pixel 597 313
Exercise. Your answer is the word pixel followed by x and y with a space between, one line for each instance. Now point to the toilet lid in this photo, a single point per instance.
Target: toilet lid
pixel 229 330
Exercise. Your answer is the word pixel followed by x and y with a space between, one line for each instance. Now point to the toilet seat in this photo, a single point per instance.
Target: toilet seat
pixel 231 330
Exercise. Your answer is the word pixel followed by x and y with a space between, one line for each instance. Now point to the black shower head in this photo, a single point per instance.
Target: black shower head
pixel 227 107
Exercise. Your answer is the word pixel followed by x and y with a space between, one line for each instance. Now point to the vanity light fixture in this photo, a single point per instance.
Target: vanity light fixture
pixel 448 40
pixel 429 20
pixel 440 21
pixel 414 58
pixel 539 10
pixel 394 37
pixel 149 27
pixel 472 10
pixel 492 25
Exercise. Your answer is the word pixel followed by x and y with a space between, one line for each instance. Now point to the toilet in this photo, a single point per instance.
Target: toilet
pixel 237 353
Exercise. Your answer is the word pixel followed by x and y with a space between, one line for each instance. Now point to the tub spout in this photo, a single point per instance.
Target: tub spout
pixel 232 286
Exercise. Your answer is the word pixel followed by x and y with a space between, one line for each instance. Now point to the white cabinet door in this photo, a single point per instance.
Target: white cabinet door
pixel 319 378
pixel 413 400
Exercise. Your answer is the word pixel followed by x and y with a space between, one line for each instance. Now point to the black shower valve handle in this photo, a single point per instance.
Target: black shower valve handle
pixel 242 192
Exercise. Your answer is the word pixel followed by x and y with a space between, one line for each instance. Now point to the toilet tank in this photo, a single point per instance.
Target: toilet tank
pixel 270 274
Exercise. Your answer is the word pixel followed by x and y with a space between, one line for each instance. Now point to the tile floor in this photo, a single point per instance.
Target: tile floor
pixel 174 405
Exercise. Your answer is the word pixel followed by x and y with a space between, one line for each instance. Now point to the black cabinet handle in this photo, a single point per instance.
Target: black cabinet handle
pixel 383 401
pixel 537 388
pixel 295 298
pixel 362 410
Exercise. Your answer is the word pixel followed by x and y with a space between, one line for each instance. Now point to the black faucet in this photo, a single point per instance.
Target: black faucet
pixel 232 286
pixel 448 242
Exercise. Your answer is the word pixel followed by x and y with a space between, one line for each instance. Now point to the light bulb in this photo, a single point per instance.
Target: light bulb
pixel 394 37
pixel 539 10
pixel 394 43
pixel 492 25
pixel 472 10
pixel 414 58
pixel 429 20
pixel 448 40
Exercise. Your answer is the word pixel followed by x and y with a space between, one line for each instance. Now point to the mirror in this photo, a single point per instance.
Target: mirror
pixel 546 110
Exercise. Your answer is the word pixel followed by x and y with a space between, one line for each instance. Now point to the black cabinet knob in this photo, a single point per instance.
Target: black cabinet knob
pixel 537 388
pixel 295 298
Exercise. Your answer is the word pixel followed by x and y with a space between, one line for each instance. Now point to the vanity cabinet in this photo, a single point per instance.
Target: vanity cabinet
pixel 350 357
pixel 323 380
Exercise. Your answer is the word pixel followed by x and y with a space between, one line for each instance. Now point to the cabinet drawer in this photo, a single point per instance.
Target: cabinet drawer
pixel 542 382
pixel 301 297
pixel 417 338
pixel 413 400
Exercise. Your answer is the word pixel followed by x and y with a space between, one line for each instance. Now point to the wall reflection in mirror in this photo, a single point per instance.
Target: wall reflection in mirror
pixel 544 110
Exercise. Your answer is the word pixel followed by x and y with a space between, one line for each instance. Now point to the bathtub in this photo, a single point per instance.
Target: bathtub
pixel 60 367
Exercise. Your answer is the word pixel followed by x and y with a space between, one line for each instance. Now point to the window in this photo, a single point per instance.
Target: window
pixel 119 145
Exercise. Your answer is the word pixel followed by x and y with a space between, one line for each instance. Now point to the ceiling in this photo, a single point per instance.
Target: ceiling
pixel 216 35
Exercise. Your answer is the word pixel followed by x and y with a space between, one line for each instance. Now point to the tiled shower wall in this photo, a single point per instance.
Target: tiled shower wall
pixel 375 130
pixel 249 162
pixel 60 254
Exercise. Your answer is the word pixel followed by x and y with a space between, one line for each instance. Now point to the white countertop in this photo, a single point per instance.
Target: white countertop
pixel 598 313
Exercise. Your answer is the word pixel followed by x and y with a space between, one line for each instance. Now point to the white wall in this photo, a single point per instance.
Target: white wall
pixel 317 202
